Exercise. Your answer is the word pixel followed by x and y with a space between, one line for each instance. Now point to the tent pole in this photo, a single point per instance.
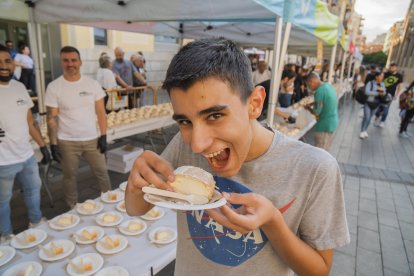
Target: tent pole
pixel 275 64
pixel 37 59
pixel 332 62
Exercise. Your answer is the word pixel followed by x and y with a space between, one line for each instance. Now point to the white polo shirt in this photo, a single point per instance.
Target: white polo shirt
pixel 15 103
pixel 76 102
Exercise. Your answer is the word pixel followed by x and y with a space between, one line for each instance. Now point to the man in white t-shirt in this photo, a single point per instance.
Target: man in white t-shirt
pixel 262 73
pixel 17 160
pixel 74 102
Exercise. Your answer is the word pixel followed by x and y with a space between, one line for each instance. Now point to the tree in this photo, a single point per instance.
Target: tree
pixel 378 58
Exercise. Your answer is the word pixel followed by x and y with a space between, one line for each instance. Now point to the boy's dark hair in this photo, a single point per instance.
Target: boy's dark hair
pixel 4 49
pixel 70 49
pixel 211 57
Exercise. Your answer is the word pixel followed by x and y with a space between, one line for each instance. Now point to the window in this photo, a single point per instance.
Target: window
pixel 100 36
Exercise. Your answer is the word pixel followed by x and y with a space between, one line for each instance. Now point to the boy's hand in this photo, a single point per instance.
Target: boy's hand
pixel 150 168
pixel 256 211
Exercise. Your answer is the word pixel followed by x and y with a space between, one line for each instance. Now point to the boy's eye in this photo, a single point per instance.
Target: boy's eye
pixel 215 116
pixel 183 122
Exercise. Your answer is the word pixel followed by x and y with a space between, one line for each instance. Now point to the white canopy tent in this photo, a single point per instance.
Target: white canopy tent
pixel 243 21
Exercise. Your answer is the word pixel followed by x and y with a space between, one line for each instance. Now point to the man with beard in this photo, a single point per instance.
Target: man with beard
pixel 125 72
pixel 75 104
pixel 392 81
pixel 260 172
pixel 17 159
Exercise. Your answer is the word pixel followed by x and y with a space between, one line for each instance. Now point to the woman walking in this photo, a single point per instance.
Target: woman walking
pixel 374 90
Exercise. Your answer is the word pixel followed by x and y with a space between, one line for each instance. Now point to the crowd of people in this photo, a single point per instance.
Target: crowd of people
pixel 376 90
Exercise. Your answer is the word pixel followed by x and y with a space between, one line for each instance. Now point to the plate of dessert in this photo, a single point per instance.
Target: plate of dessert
pixel 113 271
pixel 121 206
pixel 26 268
pixel 64 221
pixel 89 207
pixel 163 235
pixel 132 227
pixel 193 189
pixel 154 214
pixel 112 196
pixel 28 238
pixel 123 185
pixel 109 219
pixel 56 250
pixel 6 254
pixel 89 234
pixel 111 244
pixel 85 264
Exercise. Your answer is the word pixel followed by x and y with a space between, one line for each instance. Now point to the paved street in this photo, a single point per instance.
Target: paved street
pixel 379 193
pixel 378 176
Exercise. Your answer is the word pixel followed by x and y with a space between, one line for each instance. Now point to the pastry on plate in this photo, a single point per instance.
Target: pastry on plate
pixel 191 180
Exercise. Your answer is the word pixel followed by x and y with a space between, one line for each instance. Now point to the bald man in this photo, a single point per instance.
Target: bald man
pixel 125 72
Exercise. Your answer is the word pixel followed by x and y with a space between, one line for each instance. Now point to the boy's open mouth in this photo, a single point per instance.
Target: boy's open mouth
pixel 218 159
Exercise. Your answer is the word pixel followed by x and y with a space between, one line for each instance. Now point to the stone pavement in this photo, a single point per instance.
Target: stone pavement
pixel 378 176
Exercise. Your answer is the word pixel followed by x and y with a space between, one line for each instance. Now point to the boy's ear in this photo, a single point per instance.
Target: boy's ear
pixel 255 102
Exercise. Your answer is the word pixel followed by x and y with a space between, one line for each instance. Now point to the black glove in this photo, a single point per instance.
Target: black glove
pixel 2 133
pixel 56 153
pixel 46 155
pixel 102 144
pixel 291 120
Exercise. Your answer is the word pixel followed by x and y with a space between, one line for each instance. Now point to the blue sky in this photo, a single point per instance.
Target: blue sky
pixel 380 15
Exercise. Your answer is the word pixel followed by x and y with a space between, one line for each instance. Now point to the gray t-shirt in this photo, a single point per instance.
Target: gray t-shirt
pixel 125 70
pixel 290 171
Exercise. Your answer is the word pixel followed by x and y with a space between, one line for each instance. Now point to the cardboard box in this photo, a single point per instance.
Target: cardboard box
pixel 124 153
pixel 122 159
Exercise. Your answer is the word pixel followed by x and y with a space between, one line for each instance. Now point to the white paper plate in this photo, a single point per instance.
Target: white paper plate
pixel 54 222
pixel 119 196
pixel 99 234
pixel 96 260
pixel 8 254
pixel 123 228
pixel 171 231
pixel 169 203
pixel 99 219
pixel 123 185
pixel 113 270
pixel 148 217
pixel 98 207
pixel 123 242
pixel 119 206
pixel 20 268
pixel 67 245
pixel 17 243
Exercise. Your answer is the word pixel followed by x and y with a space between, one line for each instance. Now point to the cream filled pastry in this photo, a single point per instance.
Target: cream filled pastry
pixel 162 235
pixel 135 226
pixel 109 218
pixel 154 213
pixel 89 235
pixel 89 205
pixel 65 220
pixel 111 243
pixel 191 180
pixel 27 271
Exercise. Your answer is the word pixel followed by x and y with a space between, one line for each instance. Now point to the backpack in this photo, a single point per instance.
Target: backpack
pixel 360 95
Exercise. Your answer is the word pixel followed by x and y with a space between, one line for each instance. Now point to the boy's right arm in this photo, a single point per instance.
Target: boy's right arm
pixel 149 168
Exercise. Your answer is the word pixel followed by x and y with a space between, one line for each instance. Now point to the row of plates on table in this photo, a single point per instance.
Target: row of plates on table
pixel 69 247
pixel 94 259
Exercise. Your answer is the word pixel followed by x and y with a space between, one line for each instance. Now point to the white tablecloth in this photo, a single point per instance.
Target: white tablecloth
pixel 138 258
